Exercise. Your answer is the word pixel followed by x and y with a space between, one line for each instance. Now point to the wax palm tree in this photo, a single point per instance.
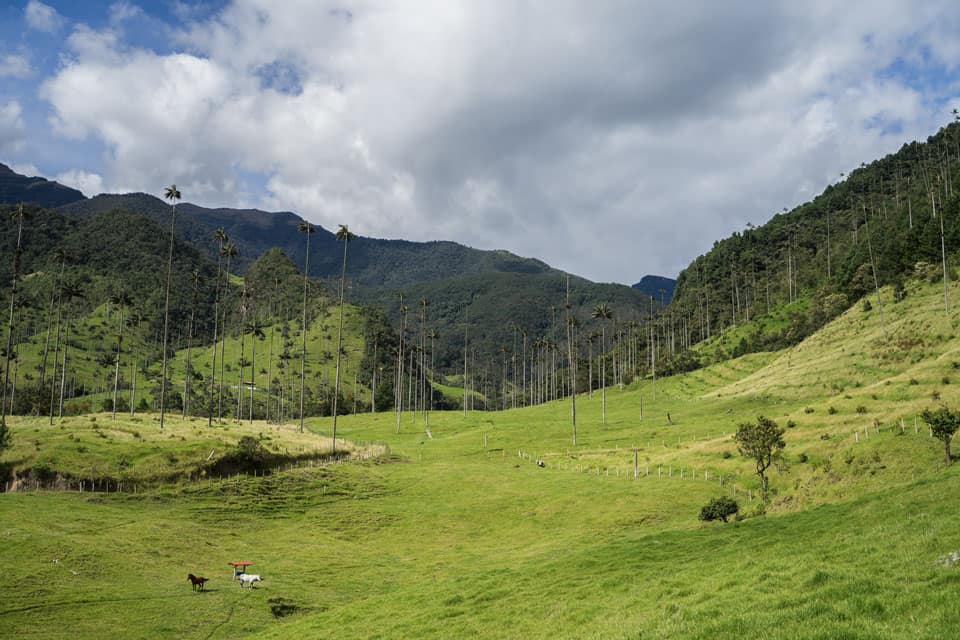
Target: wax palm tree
pixel 344 236
pixel 188 367
pixel 305 228
pixel 69 291
pixel 255 329
pixel 229 251
pixel 121 300
pixel 221 237
pixel 571 363
pixel 244 307
pixel 172 194
pixel 603 312
pixel 134 321
pixel 18 215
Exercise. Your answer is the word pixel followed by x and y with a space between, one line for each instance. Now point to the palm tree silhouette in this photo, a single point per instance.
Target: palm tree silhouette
pixel 255 329
pixel 306 228
pixel 221 237
pixel 69 291
pixel 172 194
pixel 122 300
pixel 603 312
pixel 18 214
pixel 229 251
pixel 344 236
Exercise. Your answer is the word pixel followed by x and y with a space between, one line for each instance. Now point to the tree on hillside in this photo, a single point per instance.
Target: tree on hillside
pixel 69 292
pixel 571 365
pixel 17 215
pixel 255 329
pixel 305 228
pixel 172 194
pixel 188 367
pixel 221 237
pixel 603 312
pixel 763 442
pixel 344 236
pixel 943 424
pixel 134 321
pixel 122 300
pixel 229 251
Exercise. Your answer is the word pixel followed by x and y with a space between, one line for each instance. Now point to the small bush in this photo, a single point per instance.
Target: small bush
pixel 935 395
pixel 808 409
pixel 861 409
pixel 727 455
pixel 913 381
pixel 802 458
pixel 791 424
pixel 867 307
pixel 831 410
pixel 719 509
pixel 946 380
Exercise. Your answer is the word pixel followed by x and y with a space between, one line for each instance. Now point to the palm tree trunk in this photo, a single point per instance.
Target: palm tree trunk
pixel 166 320
pixel 336 383
pixel 303 354
pixel 253 371
pixel 13 298
pixel 603 374
pixel 63 370
pixel 116 374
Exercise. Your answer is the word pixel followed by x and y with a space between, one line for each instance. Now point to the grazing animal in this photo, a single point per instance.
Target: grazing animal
pixel 249 578
pixel 196 582
pixel 541 463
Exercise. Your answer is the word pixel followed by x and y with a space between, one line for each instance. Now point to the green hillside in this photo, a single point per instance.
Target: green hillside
pixel 459 533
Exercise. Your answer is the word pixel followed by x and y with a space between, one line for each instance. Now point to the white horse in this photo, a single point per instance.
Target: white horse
pixel 249 578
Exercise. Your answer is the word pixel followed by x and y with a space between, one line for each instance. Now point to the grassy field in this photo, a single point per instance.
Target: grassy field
pixel 458 533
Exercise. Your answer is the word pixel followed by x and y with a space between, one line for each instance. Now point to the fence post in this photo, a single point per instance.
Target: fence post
pixel 636 468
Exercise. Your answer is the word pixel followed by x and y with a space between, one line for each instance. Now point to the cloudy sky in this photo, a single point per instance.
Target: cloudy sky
pixel 610 139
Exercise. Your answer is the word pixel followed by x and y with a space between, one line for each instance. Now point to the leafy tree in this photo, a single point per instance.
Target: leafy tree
pixel 719 509
pixel 943 423
pixel 172 194
pixel 763 442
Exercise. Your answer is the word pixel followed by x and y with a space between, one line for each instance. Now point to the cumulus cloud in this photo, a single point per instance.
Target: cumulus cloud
pixel 14 66
pixel 611 140
pixel 11 126
pixel 90 184
pixel 42 17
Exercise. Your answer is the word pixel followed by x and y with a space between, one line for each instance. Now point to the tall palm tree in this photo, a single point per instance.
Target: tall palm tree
pixel 221 237
pixel 571 364
pixel 172 194
pixel 344 236
pixel 69 291
pixel 306 228
pixel 135 320
pixel 244 307
pixel 433 335
pixel 121 300
pixel 18 214
pixel 255 329
pixel 229 251
pixel 62 256
pixel 188 367
pixel 603 312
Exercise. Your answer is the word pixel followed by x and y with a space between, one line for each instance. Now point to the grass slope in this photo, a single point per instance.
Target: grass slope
pixel 456 535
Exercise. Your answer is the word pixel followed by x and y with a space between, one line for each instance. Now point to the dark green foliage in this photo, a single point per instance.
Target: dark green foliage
pixel 37 191
pixel 719 509
pixel 873 202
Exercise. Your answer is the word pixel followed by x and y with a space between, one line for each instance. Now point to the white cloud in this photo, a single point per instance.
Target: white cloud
pixel 602 143
pixel 90 184
pixel 27 169
pixel 14 66
pixel 11 126
pixel 42 17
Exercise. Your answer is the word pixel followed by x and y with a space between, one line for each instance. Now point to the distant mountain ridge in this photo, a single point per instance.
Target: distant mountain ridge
pixel 15 187
pixel 657 287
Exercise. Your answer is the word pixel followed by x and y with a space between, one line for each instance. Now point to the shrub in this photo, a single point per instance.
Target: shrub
pixel 946 380
pixel 808 409
pixel 935 395
pixel 727 455
pixel 867 307
pixel 831 410
pixel 913 381
pixel 802 458
pixel 791 424
pixel 719 509
pixel 861 409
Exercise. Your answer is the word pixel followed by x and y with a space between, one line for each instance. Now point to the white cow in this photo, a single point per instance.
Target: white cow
pixel 249 578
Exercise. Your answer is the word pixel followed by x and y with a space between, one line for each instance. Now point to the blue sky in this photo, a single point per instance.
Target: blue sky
pixel 612 139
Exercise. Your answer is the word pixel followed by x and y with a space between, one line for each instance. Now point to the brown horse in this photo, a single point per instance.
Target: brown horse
pixel 196 581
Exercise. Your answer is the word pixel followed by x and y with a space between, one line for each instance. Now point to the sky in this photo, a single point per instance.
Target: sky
pixel 610 139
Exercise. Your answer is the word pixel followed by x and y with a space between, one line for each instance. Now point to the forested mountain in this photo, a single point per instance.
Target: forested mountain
pixel 37 191
pixel 887 220
pixel 657 287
